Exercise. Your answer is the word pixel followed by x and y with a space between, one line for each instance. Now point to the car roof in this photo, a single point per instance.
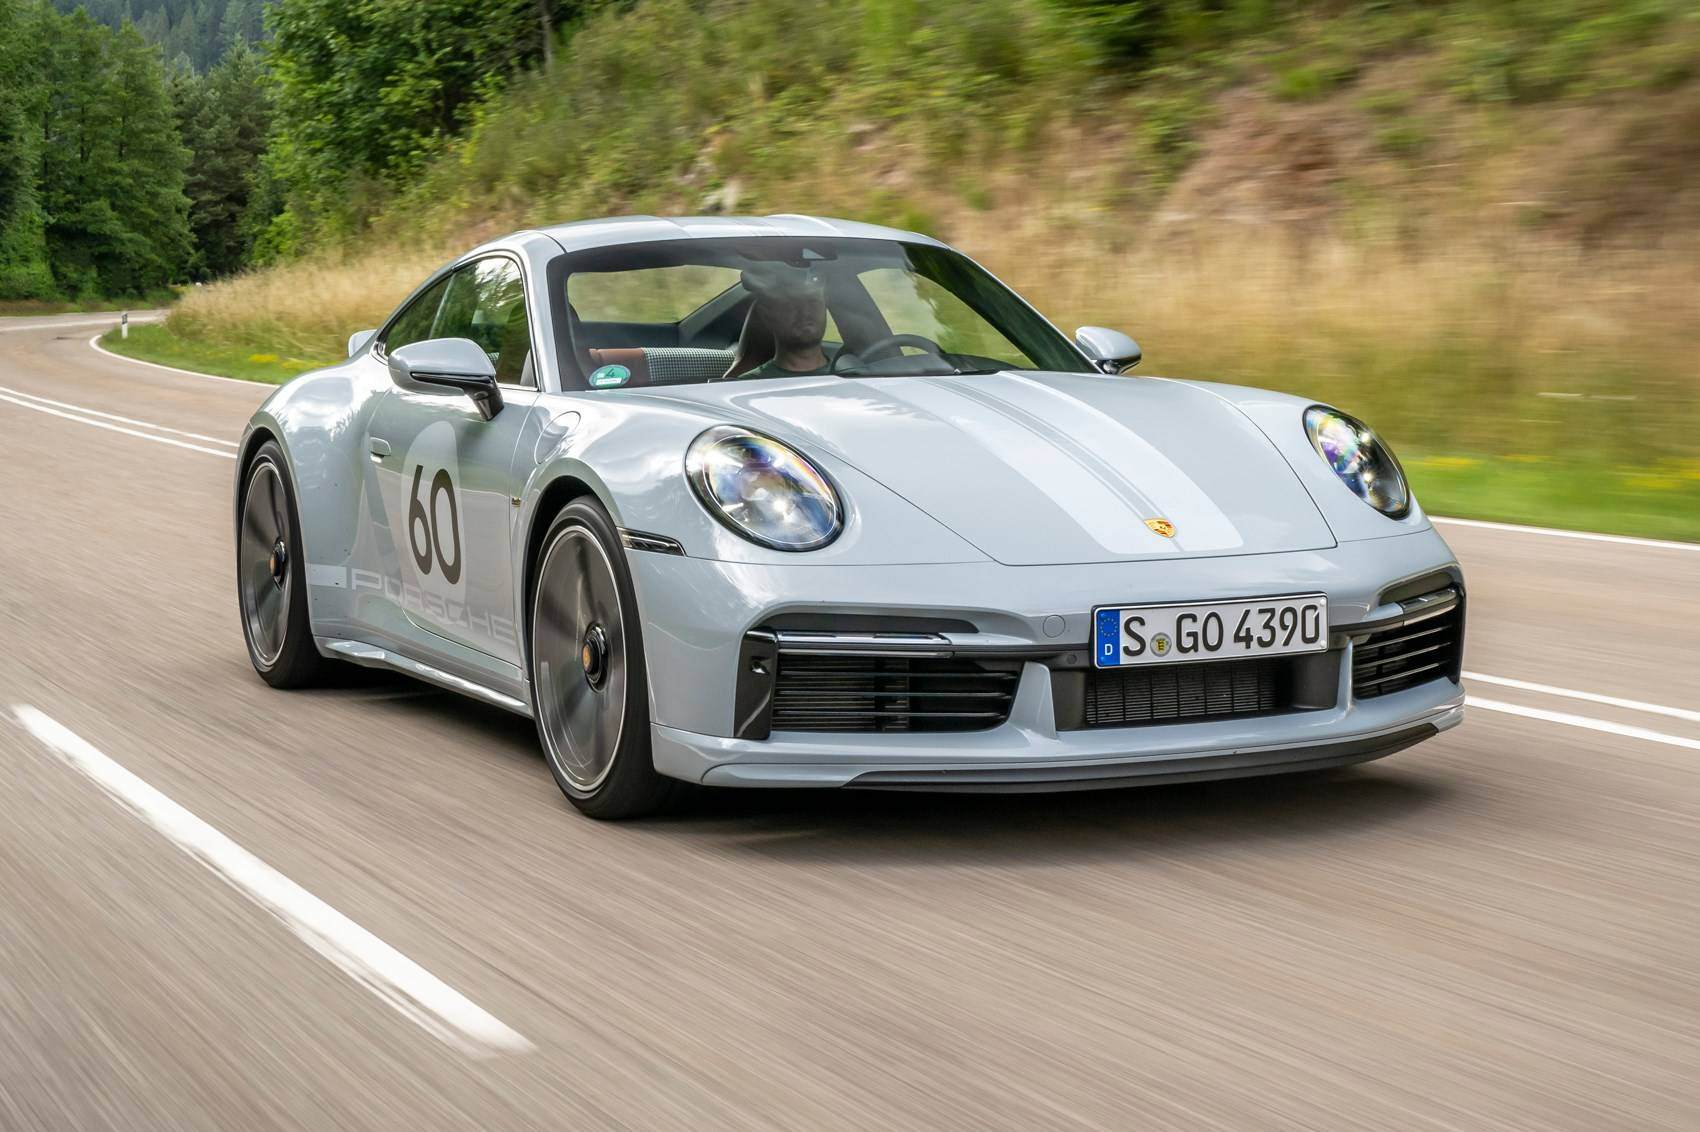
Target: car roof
pixel 585 234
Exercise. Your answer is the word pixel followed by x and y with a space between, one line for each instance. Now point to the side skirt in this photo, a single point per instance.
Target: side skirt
pixel 371 656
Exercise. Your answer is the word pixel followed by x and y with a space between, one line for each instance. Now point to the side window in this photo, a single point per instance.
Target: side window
pixel 486 303
pixel 413 324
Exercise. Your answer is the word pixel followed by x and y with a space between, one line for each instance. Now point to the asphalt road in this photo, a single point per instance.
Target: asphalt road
pixel 1494 930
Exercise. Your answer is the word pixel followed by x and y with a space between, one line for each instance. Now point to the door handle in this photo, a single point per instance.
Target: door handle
pixel 380 448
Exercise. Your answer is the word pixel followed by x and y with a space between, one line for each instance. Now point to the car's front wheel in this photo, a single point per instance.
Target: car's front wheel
pixel 589 688
pixel 271 576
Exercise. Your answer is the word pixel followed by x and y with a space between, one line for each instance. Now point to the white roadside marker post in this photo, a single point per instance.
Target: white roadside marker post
pixel 124 324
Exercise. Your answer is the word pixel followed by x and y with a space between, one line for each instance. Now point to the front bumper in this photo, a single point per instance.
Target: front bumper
pixel 696 613
pixel 1027 753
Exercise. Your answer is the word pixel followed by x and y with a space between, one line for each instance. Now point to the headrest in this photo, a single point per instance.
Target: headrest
pixel 782 281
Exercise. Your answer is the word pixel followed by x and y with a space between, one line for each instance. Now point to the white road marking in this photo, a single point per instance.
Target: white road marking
pixel 109 320
pixel 1584 722
pixel 116 417
pixel 1591 697
pixel 95 343
pixel 119 428
pixel 392 976
pixel 1555 532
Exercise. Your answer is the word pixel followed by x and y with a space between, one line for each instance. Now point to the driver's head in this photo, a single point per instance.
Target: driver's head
pixel 793 300
pixel 798 322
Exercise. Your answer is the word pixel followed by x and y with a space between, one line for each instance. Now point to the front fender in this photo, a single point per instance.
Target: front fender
pixel 1280 417
pixel 319 421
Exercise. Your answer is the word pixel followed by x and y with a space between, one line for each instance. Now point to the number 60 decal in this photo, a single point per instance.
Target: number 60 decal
pixel 429 547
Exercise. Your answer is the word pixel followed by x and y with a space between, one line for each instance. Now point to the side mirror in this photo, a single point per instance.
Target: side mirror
pixel 1114 351
pixel 359 340
pixel 457 364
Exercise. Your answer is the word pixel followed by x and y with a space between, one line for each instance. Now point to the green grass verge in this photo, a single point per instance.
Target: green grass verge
pixel 1655 502
pixel 1662 501
pixel 155 342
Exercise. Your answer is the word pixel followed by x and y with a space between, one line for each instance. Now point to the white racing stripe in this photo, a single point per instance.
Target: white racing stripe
pixel 1555 532
pixel 115 417
pixel 1584 722
pixel 1590 697
pixel 399 981
pixel 119 428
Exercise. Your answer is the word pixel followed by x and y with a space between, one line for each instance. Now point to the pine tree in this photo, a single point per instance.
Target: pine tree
pixel 222 118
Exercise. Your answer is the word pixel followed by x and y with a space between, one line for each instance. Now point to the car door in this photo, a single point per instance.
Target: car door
pixel 446 476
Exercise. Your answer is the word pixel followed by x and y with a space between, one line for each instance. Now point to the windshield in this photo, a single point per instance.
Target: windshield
pixel 680 312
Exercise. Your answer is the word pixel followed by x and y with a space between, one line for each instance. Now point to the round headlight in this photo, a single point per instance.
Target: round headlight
pixel 1360 459
pixel 766 491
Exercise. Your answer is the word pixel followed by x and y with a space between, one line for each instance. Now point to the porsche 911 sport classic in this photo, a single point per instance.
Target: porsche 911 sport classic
pixel 794 502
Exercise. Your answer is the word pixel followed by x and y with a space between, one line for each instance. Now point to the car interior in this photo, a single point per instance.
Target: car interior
pixel 702 311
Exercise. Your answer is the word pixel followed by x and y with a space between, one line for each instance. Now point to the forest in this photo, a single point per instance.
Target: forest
pixel 119 176
pixel 146 144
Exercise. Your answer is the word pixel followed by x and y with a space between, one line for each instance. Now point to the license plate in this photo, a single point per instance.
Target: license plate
pixel 1214 630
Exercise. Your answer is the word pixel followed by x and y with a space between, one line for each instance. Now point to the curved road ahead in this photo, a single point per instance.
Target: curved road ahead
pixel 1498 929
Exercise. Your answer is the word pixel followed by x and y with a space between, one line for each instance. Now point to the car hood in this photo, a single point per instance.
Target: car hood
pixel 1047 468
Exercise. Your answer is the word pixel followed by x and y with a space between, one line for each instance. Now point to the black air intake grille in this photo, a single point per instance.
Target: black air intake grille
pixel 1178 693
pixel 881 693
pixel 1407 655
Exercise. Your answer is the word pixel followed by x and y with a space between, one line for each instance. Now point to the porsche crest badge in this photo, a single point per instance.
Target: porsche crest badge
pixel 1162 527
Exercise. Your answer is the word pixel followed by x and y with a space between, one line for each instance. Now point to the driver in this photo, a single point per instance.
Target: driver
pixel 793 303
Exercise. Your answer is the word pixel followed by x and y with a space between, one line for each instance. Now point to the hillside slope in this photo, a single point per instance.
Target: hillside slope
pixel 1476 224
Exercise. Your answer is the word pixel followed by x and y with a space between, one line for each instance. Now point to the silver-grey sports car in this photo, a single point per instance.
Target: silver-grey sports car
pixel 791 502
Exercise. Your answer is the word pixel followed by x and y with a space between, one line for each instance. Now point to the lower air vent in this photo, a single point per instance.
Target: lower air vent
pixel 884 693
pixel 1407 655
pixel 1179 693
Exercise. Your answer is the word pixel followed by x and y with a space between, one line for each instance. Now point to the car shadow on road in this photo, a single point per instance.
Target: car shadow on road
pixel 924 829
pixel 919 828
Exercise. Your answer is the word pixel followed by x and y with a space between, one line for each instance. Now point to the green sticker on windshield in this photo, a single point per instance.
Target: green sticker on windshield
pixel 605 376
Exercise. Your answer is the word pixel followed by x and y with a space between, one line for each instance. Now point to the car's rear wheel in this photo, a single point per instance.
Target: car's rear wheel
pixel 271 576
pixel 590 691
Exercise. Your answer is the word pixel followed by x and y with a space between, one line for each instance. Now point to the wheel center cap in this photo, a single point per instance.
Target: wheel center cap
pixel 593 654
pixel 278 562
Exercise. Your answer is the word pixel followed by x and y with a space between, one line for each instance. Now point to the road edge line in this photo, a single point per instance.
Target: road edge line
pixel 94 344
pixel 1559 532
pixel 157 439
pixel 84 409
pixel 411 990
pixel 1587 697
pixel 1585 722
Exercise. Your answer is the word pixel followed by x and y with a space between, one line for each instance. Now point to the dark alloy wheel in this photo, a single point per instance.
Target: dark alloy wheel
pixel 589 686
pixel 271 576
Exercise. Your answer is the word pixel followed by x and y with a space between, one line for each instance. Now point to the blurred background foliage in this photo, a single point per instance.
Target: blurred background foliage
pixel 1474 222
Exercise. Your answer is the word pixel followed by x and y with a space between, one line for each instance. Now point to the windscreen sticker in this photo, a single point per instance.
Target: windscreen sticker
pixel 604 377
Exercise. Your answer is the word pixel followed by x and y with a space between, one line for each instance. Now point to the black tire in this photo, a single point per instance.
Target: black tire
pixel 589 684
pixel 280 643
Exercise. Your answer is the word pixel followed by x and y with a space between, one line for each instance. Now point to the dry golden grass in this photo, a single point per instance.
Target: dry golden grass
pixel 1491 343
pixel 306 308
pixel 1488 344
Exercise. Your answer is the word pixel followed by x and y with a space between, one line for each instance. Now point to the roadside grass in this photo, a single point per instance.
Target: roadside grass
pixel 305 308
pixel 1405 241
pixel 1658 502
pixel 153 342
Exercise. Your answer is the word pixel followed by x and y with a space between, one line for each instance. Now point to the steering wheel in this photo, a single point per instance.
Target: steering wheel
pixel 889 343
